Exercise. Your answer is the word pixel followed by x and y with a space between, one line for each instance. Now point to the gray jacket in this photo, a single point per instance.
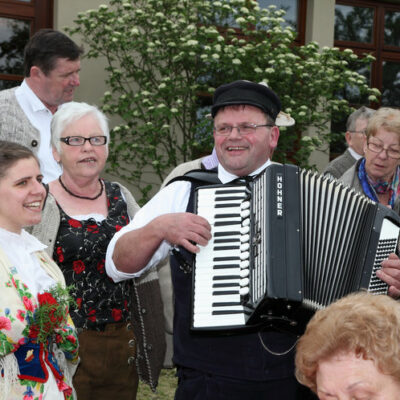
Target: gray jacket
pixel 340 165
pixel 14 124
pixel 147 308
pixel 350 178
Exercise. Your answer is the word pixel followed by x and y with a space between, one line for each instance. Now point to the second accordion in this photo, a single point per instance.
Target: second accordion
pixel 285 244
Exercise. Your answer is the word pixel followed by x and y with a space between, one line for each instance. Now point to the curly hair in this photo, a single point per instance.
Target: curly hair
pixel 364 324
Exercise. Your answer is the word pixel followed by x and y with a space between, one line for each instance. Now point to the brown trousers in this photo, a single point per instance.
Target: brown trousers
pixel 104 371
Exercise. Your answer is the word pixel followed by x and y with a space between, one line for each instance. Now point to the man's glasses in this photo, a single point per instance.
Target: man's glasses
pixel 378 147
pixel 243 129
pixel 80 140
pixel 363 132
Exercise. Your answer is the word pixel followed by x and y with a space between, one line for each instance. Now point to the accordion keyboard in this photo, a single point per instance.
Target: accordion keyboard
pixel 220 281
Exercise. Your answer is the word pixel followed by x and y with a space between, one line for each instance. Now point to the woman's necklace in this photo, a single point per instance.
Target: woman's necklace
pixel 82 197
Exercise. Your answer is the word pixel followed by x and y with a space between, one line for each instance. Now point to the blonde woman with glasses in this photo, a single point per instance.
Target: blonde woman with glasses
pixel 377 174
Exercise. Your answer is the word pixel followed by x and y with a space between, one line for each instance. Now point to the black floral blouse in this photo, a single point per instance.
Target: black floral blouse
pixel 80 252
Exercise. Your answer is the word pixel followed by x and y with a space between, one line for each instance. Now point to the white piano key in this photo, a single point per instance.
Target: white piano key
pixel 219 320
pixel 244 282
pixel 246 222
pixel 244 230
pixel 245 205
pixel 244 238
pixel 244 247
pixel 245 213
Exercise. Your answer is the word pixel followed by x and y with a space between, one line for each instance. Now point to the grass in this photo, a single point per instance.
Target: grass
pixel 165 389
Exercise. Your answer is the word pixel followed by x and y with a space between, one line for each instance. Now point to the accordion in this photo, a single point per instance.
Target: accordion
pixel 285 244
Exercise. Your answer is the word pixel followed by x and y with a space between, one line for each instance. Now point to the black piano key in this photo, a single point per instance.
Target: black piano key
pixel 224 292
pixel 223 277
pixel 228 198
pixel 224 266
pixel 219 248
pixel 226 215
pixel 221 285
pixel 226 223
pixel 226 205
pixel 226 312
pixel 226 233
pixel 231 240
pixel 226 258
pixel 226 304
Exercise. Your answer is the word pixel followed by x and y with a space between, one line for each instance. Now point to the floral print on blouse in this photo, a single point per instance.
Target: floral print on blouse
pixel 80 252
pixel 18 338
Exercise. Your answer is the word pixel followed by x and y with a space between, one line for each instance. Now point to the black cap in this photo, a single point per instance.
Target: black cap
pixel 246 92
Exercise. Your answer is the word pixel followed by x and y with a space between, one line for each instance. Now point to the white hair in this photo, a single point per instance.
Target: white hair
pixel 71 112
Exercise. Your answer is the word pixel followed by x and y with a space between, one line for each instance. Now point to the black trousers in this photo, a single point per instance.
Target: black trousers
pixel 195 385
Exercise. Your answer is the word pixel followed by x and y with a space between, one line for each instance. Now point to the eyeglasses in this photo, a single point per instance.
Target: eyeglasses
pixel 243 129
pixel 377 148
pixel 363 132
pixel 80 140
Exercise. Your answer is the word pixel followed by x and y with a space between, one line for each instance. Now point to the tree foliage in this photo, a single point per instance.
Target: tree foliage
pixel 164 56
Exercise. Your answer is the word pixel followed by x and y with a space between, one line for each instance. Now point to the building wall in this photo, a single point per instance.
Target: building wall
pixel 92 73
pixel 320 27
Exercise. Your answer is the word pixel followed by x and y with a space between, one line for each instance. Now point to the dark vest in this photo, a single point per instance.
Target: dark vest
pixel 239 356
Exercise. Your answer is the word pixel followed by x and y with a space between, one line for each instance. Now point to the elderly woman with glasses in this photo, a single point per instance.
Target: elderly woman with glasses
pixel 118 339
pixel 377 174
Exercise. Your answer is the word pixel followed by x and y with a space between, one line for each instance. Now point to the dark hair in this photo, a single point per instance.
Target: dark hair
pixel 45 47
pixel 11 153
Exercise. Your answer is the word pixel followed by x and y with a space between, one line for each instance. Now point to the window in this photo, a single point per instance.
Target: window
pixel 372 27
pixel 295 14
pixel 19 19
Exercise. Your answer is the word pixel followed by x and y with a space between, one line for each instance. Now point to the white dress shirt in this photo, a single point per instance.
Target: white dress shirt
pixel 171 199
pixel 354 153
pixel 40 117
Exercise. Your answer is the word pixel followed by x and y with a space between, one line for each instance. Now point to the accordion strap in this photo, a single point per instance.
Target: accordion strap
pixel 199 176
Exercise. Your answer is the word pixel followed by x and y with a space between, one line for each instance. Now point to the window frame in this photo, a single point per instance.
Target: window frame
pixel 377 48
pixel 38 13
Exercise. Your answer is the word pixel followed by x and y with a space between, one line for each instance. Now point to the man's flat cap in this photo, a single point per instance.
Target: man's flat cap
pixel 246 92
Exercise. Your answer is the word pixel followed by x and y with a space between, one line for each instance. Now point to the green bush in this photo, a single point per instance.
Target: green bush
pixel 164 56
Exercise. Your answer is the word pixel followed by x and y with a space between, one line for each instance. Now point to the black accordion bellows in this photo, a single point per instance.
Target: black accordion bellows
pixel 284 245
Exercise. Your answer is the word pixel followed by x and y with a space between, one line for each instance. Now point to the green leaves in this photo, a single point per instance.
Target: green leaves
pixel 163 55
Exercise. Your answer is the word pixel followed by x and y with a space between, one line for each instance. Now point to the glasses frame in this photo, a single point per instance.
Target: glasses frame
pixel 381 147
pixel 89 139
pixel 238 127
pixel 364 132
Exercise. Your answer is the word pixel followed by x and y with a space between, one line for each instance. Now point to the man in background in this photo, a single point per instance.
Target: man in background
pixel 51 69
pixel 355 137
